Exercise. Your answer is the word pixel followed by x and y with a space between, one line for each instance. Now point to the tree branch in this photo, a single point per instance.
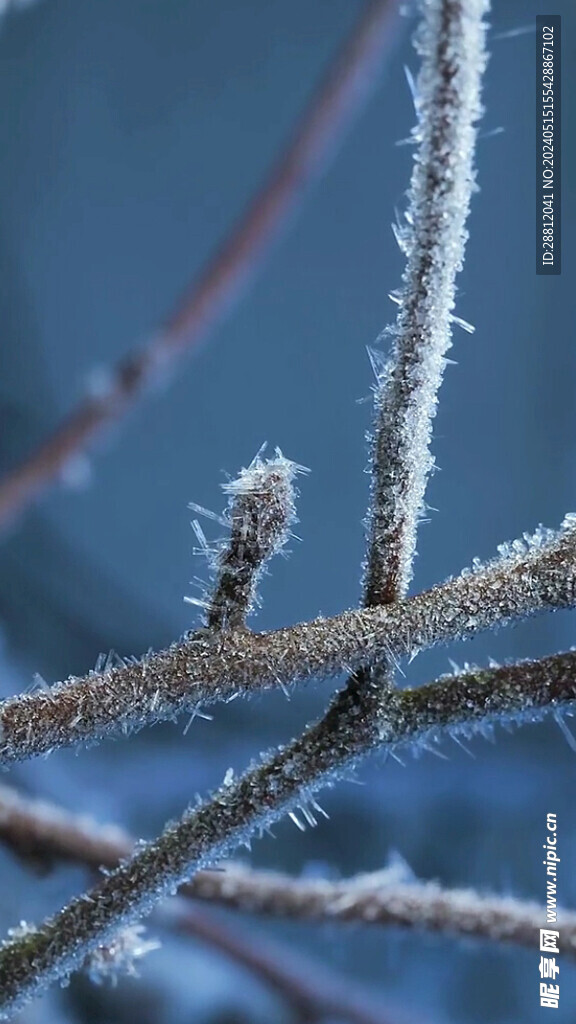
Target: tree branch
pixel 450 40
pixel 529 576
pixel 260 513
pixel 373 900
pixel 313 992
pixel 332 109
pixel 42 834
pixel 467 703
pixel 283 783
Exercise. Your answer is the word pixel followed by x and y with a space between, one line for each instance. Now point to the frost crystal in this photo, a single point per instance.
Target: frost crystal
pixel 119 956
pixel 21 930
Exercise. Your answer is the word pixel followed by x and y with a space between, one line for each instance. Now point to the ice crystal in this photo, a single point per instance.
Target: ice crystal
pixel 119 956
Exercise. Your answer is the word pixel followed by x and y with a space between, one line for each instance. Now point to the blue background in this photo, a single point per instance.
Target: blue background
pixel 132 134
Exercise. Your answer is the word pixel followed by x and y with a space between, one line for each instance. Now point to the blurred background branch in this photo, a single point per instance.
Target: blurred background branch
pixel 213 294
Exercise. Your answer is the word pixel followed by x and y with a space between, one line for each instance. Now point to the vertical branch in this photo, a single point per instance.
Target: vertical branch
pixel 260 513
pixel 450 40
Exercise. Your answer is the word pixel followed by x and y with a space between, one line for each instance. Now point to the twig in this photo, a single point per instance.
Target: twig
pixel 260 513
pixel 450 39
pixel 312 991
pixel 261 508
pixel 530 576
pixel 340 97
pixel 470 703
pixel 42 833
pixel 372 900
pixel 284 783
pixel 521 582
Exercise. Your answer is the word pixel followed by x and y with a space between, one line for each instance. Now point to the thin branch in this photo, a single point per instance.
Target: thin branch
pixel 312 991
pixel 450 40
pixel 529 576
pixel 283 783
pixel 41 834
pixel 261 509
pixel 260 513
pixel 539 574
pixel 332 110
pixel 469 703
pixel 373 900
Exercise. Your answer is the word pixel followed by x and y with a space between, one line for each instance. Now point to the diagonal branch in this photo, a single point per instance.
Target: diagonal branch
pixel 314 993
pixel 42 833
pixel 470 702
pixel 533 575
pixel 340 97
pixel 283 783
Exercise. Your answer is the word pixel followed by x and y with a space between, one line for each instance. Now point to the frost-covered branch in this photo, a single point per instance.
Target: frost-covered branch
pixel 450 40
pixel 463 705
pixel 285 782
pixel 340 96
pixel 376 899
pixel 259 515
pixel 42 834
pixel 529 576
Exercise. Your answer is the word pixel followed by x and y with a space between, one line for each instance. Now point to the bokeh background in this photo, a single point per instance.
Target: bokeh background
pixel 132 134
